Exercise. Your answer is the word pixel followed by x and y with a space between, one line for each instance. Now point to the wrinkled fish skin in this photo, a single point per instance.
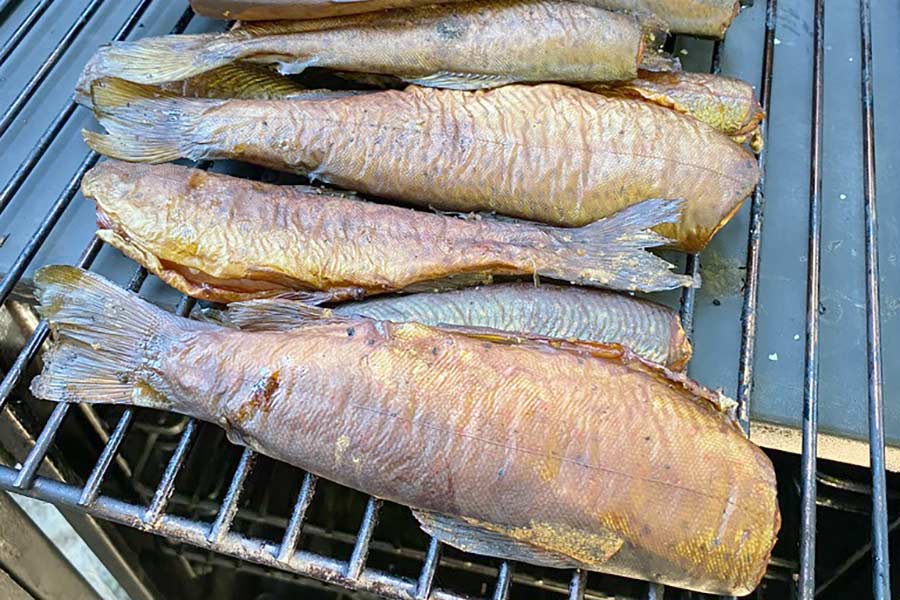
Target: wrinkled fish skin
pixel 224 239
pixel 698 17
pixel 586 456
pixel 459 46
pixel 725 103
pixel 708 18
pixel 558 155
pixel 651 330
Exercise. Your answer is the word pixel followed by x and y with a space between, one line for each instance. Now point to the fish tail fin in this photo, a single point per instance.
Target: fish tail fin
pixel 103 336
pixel 162 59
pixel 612 252
pixel 143 123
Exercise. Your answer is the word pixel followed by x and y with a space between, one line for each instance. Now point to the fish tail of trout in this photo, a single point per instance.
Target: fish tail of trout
pixel 143 123
pixel 613 252
pixel 104 336
pixel 162 59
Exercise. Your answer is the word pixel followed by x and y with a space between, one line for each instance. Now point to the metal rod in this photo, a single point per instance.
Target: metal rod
pixel 881 585
pixel 688 296
pixel 426 575
pixel 35 457
pixel 6 6
pixel 501 592
pixel 92 486
pixel 757 207
pixel 43 230
pixel 656 591
pixel 22 30
pixel 184 530
pixel 852 560
pixel 361 548
pixel 292 533
pixel 38 78
pixel 578 584
pixel 167 483
pixel 222 525
pixel 807 582
pixel 37 152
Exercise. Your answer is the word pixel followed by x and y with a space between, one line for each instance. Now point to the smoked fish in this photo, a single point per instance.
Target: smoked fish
pixel 726 103
pixel 651 330
pixel 549 153
pixel 223 238
pixel 708 18
pixel 564 454
pixel 459 46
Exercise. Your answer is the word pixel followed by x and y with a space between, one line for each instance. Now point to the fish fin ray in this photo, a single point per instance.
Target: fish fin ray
pixel 461 81
pixel 160 59
pixel 278 314
pixel 532 545
pixel 143 123
pixel 613 252
pixel 103 335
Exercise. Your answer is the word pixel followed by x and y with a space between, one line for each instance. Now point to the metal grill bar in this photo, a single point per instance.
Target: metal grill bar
pixel 361 548
pixel 38 78
pixel 881 586
pixel 50 134
pixel 167 483
pixel 25 478
pixel 225 518
pixel 807 581
pixel 426 575
pixel 577 585
pixel 757 206
pixel 504 577
pixel 292 533
pixel 92 485
pixel 22 30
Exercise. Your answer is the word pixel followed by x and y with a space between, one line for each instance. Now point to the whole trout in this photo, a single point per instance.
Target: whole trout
pixel 459 46
pixel 553 453
pixel 224 239
pixel 548 153
pixel 698 17
pixel 651 330
pixel 728 104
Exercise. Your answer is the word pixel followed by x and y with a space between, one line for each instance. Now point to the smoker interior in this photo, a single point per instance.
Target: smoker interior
pixel 180 512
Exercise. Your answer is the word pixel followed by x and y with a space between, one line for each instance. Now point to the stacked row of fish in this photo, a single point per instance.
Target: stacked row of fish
pixel 368 341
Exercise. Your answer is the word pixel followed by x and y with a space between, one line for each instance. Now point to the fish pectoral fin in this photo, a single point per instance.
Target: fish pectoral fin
pixel 539 544
pixel 461 81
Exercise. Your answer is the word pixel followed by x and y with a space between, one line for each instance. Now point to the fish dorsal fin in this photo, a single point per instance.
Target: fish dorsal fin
pixel 461 81
pixel 272 314
pixel 542 544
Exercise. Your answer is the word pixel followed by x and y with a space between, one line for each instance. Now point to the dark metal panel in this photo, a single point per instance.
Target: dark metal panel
pixel 32 559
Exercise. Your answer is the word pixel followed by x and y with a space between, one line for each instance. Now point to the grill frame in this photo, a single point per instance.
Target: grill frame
pixel 219 537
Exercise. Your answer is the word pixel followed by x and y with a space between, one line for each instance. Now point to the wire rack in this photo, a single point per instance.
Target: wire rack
pixel 218 536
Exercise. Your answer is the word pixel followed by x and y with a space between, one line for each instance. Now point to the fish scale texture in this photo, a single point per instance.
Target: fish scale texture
pixel 651 330
pixel 700 17
pixel 600 460
pixel 548 153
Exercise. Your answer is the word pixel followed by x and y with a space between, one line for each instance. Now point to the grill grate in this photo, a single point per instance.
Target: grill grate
pixel 219 536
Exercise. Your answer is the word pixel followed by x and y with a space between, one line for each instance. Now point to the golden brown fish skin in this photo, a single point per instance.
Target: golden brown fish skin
pixel 698 17
pixel 614 463
pixel 461 46
pixel 726 103
pixel 707 18
pixel 224 238
pixel 558 155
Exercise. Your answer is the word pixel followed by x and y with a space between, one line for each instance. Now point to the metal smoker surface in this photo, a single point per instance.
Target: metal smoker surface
pixel 40 207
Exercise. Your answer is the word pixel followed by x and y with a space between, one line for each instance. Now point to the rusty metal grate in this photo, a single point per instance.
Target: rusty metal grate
pixel 219 535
